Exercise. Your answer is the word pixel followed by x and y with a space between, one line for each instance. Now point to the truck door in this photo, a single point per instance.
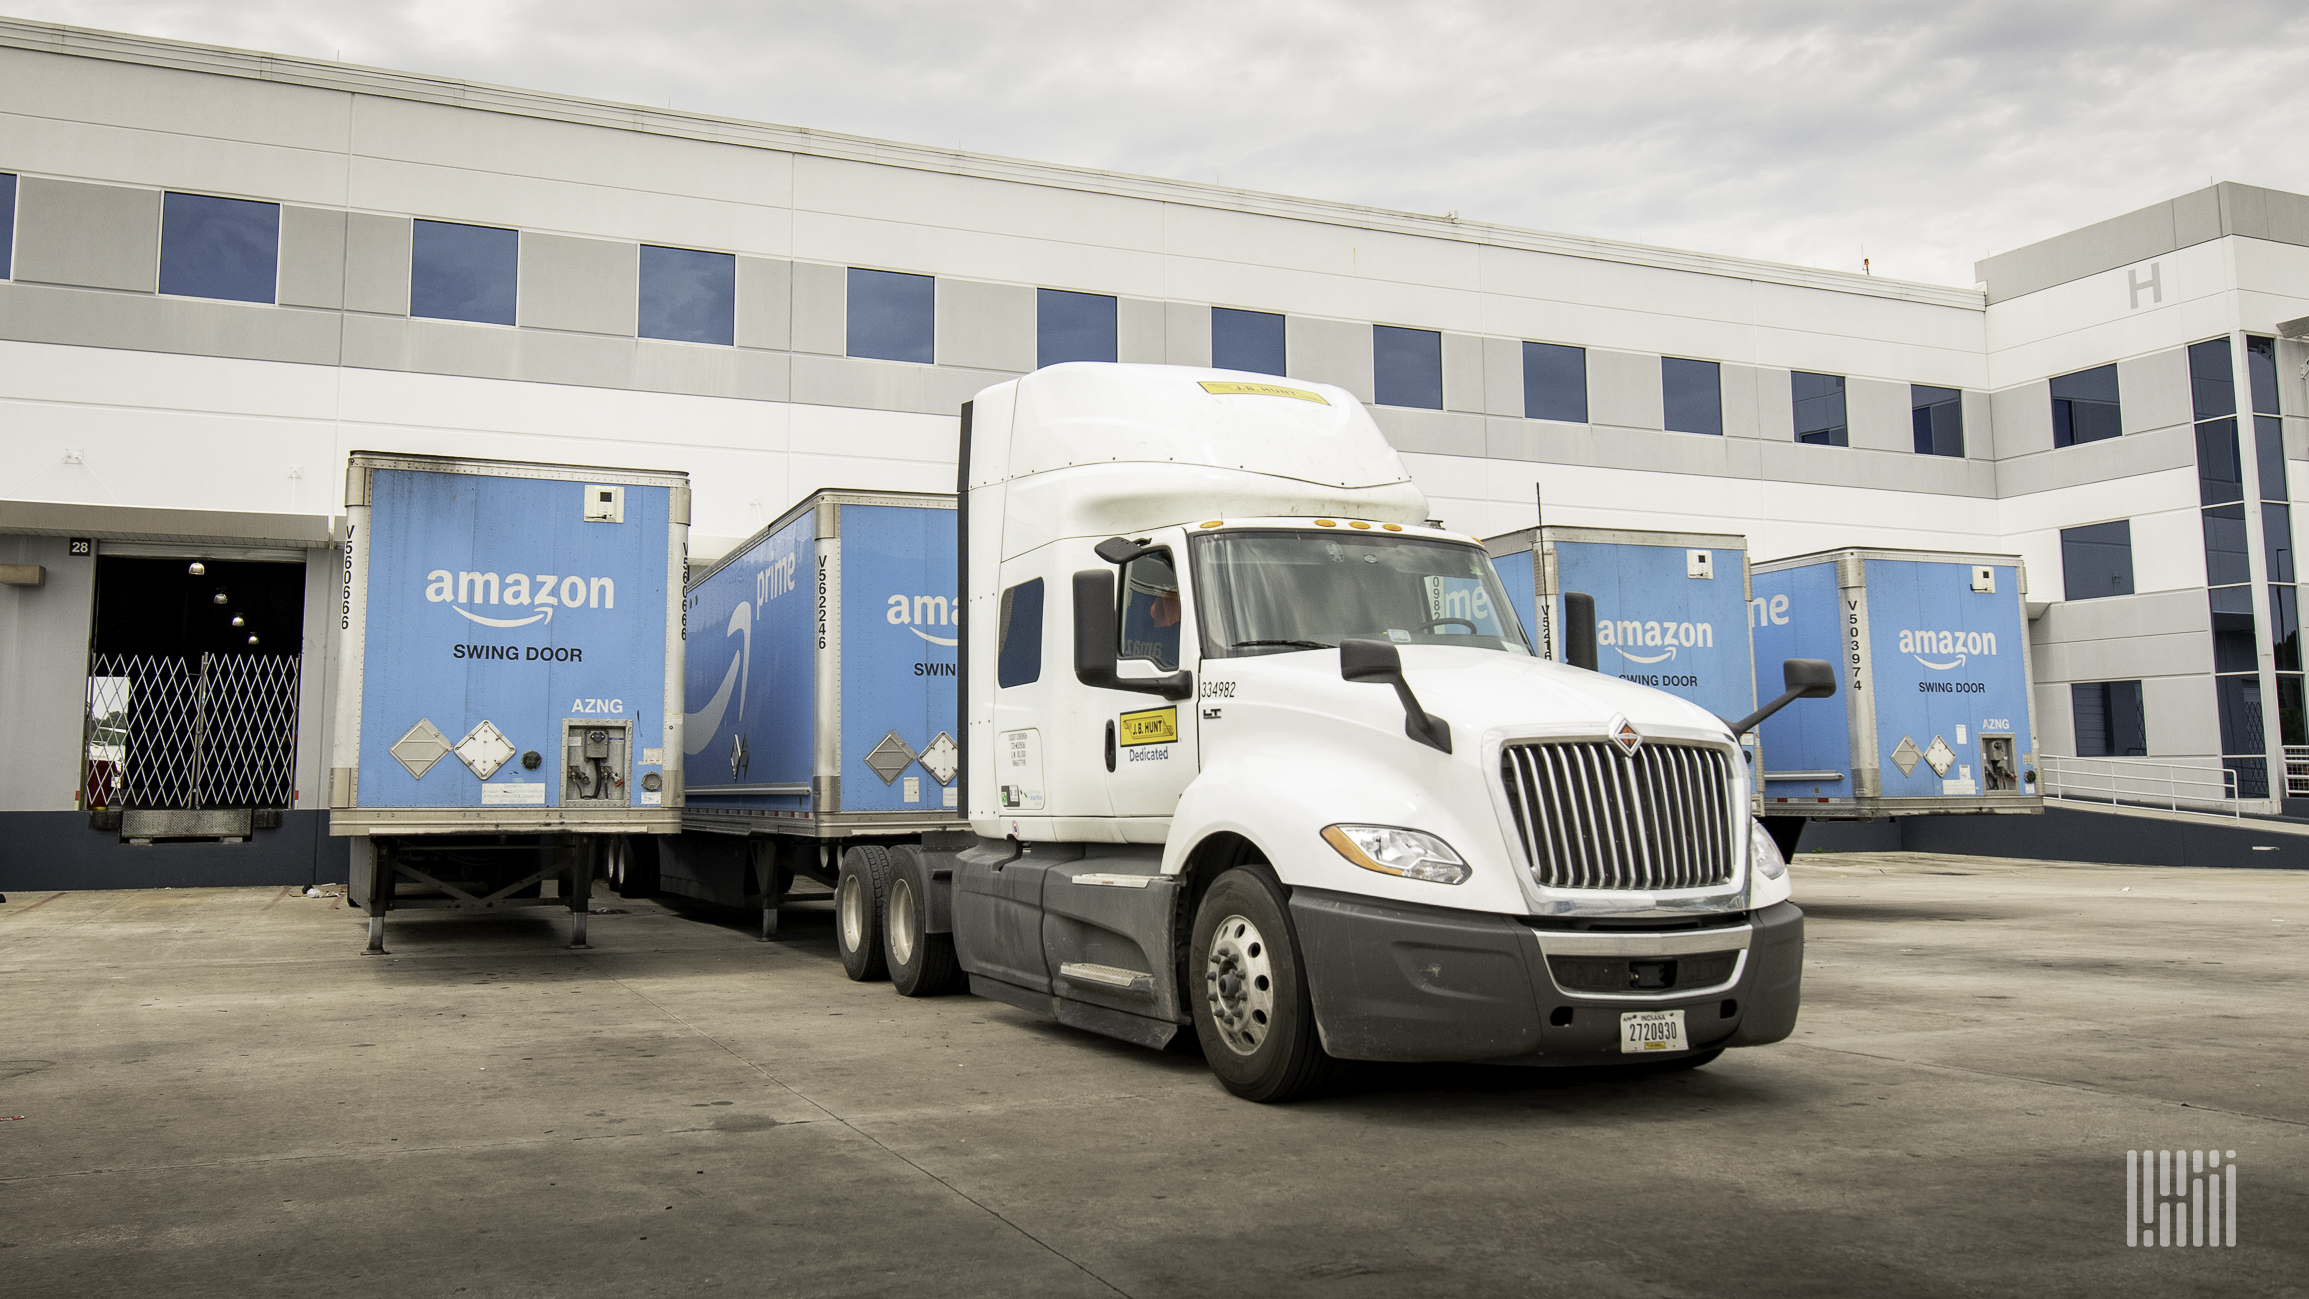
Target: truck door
pixel 1150 742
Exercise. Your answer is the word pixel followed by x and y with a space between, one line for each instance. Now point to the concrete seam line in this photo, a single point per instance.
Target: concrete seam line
pixel 2052 1082
pixel 877 1142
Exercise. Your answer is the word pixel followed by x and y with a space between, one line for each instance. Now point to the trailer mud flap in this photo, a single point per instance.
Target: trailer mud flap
pixel 1392 981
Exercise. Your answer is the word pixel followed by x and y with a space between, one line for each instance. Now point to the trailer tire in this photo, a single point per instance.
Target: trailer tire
pixel 637 866
pixel 861 899
pixel 1253 1012
pixel 922 964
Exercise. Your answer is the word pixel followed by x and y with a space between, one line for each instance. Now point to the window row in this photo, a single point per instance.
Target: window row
pixel 229 249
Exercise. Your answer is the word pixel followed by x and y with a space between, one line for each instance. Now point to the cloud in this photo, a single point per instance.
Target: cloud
pixel 1921 135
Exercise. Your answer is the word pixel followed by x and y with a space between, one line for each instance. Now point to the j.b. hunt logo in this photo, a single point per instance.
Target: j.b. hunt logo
pixel 546 593
pixel 1954 646
pixel 2180 1197
pixel 1630 637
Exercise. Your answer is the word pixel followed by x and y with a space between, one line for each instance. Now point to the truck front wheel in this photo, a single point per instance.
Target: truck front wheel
pixel 1252 1010
pixel 861 897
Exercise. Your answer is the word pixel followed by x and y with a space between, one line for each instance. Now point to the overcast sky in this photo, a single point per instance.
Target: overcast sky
pixel 1919 135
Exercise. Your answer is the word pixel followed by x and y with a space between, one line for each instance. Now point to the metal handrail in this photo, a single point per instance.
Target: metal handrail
pixel 2297 771
pixel 2136 782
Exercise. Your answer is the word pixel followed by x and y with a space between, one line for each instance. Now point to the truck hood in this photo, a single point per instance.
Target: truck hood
pixel 1478 692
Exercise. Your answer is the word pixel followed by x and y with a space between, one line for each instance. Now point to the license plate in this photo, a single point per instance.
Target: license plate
pixel 1652 1030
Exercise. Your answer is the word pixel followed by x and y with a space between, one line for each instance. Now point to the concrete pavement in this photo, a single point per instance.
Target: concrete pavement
pixel 221 1096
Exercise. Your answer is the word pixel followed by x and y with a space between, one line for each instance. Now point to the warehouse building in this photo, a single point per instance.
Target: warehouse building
pixel 221 272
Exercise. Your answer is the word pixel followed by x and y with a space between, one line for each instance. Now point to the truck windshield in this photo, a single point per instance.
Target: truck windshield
pixel 1283 591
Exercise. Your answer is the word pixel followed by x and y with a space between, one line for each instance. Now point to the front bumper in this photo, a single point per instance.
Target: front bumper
pixel 1393 981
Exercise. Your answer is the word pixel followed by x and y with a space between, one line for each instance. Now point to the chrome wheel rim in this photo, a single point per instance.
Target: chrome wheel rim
pixel 901 921
pixel 1239 984
pixel 853 913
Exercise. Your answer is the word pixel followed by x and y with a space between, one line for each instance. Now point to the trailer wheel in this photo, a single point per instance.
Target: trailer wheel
pixel 1254 1015
pixel 922 964
pixel 861 895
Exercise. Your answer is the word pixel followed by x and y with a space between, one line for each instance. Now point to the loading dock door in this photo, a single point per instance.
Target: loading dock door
pixel 192 684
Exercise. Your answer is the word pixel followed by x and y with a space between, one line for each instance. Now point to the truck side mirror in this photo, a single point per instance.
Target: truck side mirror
pixel 1805 679
pixel 1579 630
pixel 1094 641
pixel 1379 661
pixel 1120 550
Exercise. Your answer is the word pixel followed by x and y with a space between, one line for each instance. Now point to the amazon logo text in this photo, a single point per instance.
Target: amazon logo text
pixel 916 612
pixel 1953 646
pixel 541 595
pixel 1632 638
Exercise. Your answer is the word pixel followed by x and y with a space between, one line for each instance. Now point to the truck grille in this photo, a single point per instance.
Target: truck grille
pixel 1592 819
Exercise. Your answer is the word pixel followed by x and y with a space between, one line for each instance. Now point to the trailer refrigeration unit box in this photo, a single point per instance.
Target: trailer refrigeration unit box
pixel 824 655
pixel 511 671
pixel 1938 716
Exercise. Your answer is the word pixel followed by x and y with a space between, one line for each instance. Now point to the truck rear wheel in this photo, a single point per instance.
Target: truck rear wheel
pixel 861 895
pixel 1253 1014
pixel 922 964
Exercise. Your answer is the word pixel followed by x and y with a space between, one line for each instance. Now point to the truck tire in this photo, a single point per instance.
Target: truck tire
pixel 922 964
pixel 861 894
pixel 1253 1013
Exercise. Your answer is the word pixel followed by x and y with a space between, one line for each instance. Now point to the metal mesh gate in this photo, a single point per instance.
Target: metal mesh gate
pixel 168 733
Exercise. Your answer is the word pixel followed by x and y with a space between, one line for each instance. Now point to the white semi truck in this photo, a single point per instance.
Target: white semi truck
pixel 1251 749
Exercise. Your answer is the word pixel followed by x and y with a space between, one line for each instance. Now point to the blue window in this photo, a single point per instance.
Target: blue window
pixel 1819 401
pixel 2212 384
pixel 2220 471
pixel 1937 416
pixel 1073 327
pixel 2261 372
pixel 461 272
pixel 1407 367
pixel 2097 560
pixel 1018 636
pixel 688 296
pixel 7 223
pixel 893 317
pixel 2225 546
pixel 2110 722
pixel 2277 540
pixel 1692 395
pixel 1555 382
pixel 1247 340
pixel 227 248
pixel 2084 407
pixel 2233 631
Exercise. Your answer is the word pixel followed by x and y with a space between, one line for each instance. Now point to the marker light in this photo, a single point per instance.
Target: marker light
pixel 1360 527
pixel 1325 523
pixel 1392 527
pixel 1769 863
pixel 1391 850
pixel 1214 523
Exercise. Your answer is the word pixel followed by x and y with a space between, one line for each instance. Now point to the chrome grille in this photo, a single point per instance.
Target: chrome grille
pixel 1590 818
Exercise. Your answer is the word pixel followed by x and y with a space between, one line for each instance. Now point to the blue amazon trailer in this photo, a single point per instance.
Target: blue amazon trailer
pixel 1671 608
pixel 1938 716
pixel 511 679
pixel 823 673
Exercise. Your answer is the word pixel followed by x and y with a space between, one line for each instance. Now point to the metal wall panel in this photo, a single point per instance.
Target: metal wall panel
pixel 584 285
pixel 821 308
pixel 985 326
pixel 312 257
pixel 765 303
pixel 377 264
pixel 94 236
pixel 1623 389
pixel 1330 351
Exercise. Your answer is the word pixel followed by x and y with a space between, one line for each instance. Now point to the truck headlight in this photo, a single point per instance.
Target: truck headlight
pixel 1390 850
pixel 1766 852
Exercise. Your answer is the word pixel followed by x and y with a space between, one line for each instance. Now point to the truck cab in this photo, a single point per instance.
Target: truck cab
pixel 1255 751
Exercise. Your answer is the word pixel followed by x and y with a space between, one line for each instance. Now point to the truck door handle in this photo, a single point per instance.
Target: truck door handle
pixel 1110 744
